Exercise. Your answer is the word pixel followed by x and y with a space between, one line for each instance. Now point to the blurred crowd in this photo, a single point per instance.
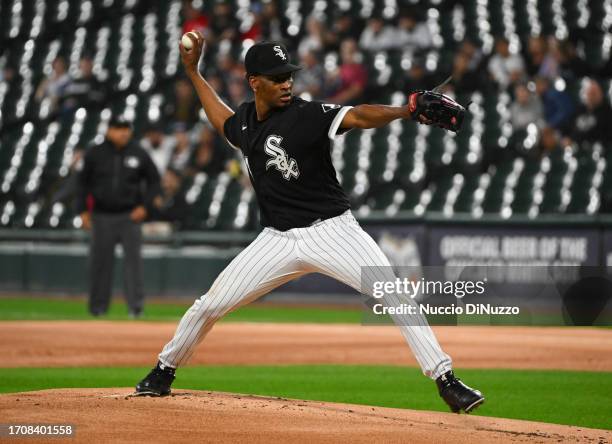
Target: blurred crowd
pixel 336 54
pixel 550 84
pixel 537 77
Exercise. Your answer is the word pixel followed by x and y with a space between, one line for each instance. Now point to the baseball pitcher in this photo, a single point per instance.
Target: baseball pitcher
pixel 308 225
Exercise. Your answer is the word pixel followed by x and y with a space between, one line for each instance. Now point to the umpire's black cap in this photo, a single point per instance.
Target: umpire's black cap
pixel 119 122
pixel 268 58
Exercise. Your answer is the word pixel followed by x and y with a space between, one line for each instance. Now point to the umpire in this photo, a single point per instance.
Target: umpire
pixel 123 182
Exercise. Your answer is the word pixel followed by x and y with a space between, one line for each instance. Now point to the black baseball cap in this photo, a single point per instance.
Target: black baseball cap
pixel 268 58
pixel 119 122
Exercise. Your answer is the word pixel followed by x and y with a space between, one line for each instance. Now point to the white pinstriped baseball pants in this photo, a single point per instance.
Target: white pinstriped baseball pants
pixel 336 247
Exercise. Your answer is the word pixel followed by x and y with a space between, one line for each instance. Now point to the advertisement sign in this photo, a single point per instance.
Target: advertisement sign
pixel 520 249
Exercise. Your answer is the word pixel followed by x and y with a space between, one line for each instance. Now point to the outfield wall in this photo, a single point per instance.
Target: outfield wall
pixel 182 266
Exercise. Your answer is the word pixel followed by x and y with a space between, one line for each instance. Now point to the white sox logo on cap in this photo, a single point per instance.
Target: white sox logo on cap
pixel 280 160
pixel 279 52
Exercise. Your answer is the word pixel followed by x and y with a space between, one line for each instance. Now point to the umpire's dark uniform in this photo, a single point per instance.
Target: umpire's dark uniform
pixel 123 181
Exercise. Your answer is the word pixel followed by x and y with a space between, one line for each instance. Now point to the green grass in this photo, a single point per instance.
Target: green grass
pixel 31 308
pixel 12 309
pixel 562 397
pixel 39 308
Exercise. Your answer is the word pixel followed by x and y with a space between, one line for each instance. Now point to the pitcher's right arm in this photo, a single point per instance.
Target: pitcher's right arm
pixel 216 110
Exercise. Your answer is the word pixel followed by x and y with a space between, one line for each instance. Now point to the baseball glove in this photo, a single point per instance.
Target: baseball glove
pixel 433 108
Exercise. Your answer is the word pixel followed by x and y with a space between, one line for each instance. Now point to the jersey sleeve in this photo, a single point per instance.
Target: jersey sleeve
pixel 327 117
pixel 232 130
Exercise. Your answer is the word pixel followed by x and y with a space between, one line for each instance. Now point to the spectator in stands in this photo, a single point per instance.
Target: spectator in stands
pixel 252 26
pixel 171 205
pixel 84 89
pixel 7 74
pixel 464 80
pixel 3 66
pixel 526 108
pixel 224 25
pixel 184 108
pixel 236 92
pixel 182 148
pixel 273 24
pixel 124 183
pixel 412 34
pixel 473 54
pixel 210 154
pixel 540 60
pixel 158 146
pixel 594 117
pixel 343 27
pixel 570 65
pixel 417 76
pixel 311 77
pixel 350 79
pixel 378 36
pixel 216 80
pixel 228 70
pixel 195 20
pixel 226 67
pixel 537 50
pixel 558 105
pixel 52 88
pixel 549 140
pixel 505 68
pixel 313 40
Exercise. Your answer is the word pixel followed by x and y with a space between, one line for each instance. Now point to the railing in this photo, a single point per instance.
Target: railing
pixel 179 238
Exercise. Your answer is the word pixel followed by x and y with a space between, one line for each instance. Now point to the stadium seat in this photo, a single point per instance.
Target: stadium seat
pixel 395 168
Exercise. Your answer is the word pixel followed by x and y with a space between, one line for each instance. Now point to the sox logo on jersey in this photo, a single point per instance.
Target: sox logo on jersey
pixel 283 163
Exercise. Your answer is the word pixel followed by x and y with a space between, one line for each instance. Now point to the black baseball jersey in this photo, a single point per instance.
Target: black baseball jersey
pixel 289 161
pixel 115 178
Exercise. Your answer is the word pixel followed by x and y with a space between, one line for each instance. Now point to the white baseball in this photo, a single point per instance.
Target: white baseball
pixel 186 41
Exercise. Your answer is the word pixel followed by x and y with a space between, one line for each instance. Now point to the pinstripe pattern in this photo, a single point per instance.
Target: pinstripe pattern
pixel 340 249
pixel 264 265
pixel 337 247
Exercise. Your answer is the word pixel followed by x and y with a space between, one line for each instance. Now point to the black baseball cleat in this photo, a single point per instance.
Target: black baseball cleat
pixel 457 395
pixel 157 382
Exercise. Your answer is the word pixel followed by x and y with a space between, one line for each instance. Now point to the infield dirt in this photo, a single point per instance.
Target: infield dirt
pixel 83 343
pixel 110 415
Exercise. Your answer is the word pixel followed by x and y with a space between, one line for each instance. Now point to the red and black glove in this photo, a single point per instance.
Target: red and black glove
pixel 432 108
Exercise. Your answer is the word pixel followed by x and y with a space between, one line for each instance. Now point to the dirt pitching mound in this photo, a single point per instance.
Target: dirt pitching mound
pixel 111 415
